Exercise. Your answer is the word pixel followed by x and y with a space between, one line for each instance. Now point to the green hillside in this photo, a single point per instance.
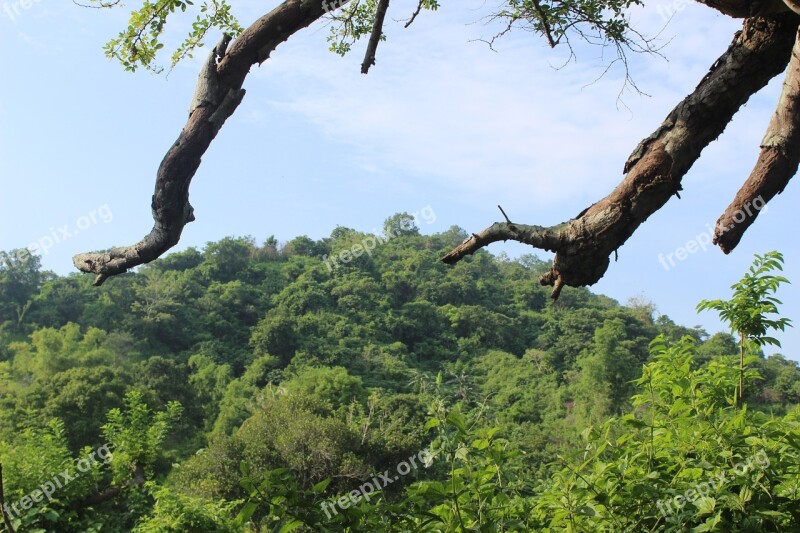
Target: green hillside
pixel 357 383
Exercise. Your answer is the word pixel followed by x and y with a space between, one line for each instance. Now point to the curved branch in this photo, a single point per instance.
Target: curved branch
pixel 654 171
pixel 776 165
pixel 219 92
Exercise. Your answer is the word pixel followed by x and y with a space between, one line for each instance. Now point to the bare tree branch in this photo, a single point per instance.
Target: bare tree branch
pixel 776 165
pixel 375 36
pixel 415 14
pixel 654 171
pixel 217 96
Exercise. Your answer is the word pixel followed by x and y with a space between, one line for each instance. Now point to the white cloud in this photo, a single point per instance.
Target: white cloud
pixel 438 105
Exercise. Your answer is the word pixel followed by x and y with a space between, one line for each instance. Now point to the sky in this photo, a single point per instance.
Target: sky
pixel 442 122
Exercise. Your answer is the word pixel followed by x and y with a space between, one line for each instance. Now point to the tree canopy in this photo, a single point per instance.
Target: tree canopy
pixel 282 385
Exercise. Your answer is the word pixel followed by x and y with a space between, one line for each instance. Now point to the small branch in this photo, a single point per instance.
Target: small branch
pixel 505 216
pixel 776 165
pixel 375 37
pixel 537 236
pixel 414 15
pixel 545 25
pixel 206 90
pixel 6 518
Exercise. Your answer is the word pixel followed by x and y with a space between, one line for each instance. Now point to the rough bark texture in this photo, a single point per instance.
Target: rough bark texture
pixel 375 36
pixel 654 171
pixel 749 8
pixel 777 163
pixel 217 96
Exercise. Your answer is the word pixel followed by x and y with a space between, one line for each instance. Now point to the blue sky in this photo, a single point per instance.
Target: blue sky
pixel 440 121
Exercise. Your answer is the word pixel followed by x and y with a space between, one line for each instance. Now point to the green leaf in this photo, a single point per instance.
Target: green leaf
pixel 480 444
pixel 321 486
pixel 456 419
pixel 290 526
pixel 246 513
pixel 432 423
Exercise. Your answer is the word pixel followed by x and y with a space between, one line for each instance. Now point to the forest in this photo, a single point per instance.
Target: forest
pixel 248 387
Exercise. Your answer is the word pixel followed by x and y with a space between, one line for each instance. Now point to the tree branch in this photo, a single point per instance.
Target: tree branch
pixel 776 165
pixel 545 24
pixel 375 36
pixel 748 8
pixel 220 91
pixel 654 171
pixel 414 15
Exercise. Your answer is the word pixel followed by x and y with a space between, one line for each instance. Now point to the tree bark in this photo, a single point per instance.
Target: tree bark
pixel 375 36
pixel 777 163
pixel 219 92
pixel 748 8
pixel 654 171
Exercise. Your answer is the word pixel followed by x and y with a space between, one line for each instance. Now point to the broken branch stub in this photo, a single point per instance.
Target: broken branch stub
pixel 777 163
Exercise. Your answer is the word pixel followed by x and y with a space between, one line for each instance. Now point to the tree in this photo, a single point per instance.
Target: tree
pixel 583 244
pixel 610 365
pixel 330 386
pixel 295 431
pixel 137 434
pixel 20 280
pixel 747 311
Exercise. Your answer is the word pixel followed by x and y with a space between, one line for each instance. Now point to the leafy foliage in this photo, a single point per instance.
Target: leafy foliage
pixel 302 386
pixel 177 513
pixel 752 302
pixel 137 434
pixel 556 19
pixel 748 310
pixel 139 43
pixel 603 22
